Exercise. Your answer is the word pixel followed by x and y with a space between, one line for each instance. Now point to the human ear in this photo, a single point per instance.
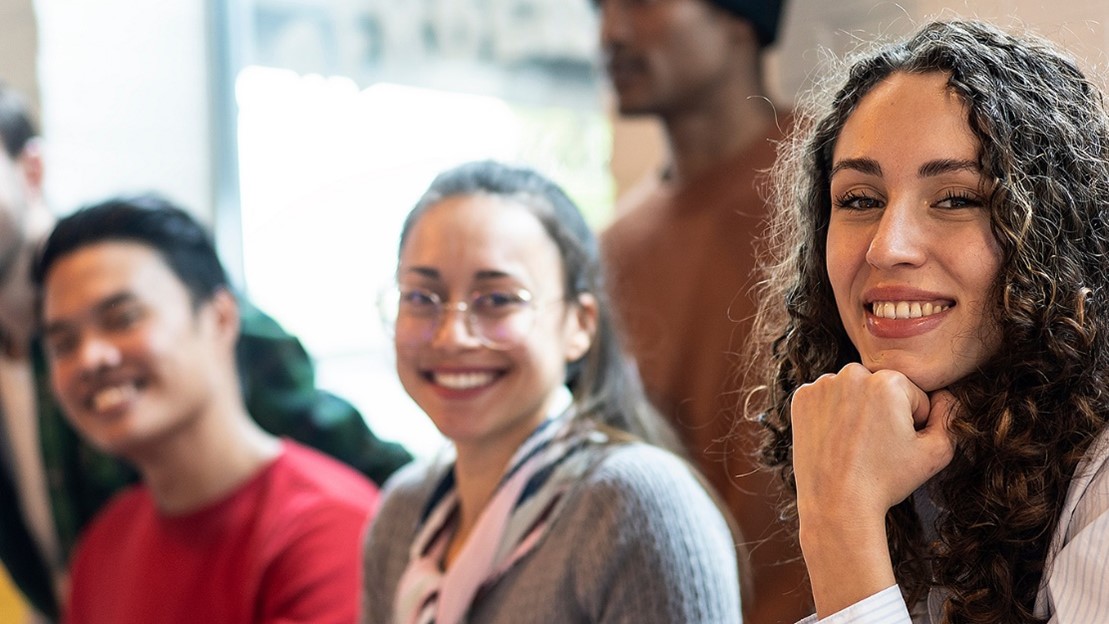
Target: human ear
pixel 224 309
pixel 582 327
pixel 29 163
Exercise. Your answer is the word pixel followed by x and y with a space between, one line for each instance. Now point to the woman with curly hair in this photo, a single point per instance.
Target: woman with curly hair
pixel 937 326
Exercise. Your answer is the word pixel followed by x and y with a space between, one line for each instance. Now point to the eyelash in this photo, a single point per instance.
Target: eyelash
pixel 970 200
pixel 846 200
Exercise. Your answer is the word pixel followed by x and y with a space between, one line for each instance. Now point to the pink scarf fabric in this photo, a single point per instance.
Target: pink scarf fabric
pixel 511 525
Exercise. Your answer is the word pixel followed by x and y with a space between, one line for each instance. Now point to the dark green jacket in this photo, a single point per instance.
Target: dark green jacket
pixel 279 389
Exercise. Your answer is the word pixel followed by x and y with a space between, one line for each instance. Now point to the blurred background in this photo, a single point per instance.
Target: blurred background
pixel 302 131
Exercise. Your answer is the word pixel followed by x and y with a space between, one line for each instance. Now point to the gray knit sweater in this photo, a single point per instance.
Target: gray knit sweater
pixel 638 541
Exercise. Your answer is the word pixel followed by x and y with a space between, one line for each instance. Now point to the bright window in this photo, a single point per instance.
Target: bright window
pixel 329 166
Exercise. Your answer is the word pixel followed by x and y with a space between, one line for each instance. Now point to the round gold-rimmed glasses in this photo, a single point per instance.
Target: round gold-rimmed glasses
pixel 499 318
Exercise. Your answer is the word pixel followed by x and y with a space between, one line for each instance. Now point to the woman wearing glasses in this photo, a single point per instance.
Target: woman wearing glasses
pixel 548 510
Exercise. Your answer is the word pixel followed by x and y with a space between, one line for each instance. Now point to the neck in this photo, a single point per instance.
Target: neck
pixel 205 461
pixel 477 472
pixel 480 465
pixel 716 128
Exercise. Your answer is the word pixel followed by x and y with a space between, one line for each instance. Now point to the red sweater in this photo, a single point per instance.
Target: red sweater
pixel 284 547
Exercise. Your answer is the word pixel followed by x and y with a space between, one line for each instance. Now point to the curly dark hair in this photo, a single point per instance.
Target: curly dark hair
pixel 1031 411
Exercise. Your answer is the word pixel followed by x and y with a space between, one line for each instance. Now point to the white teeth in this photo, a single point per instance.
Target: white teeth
pixel 463 381
pixel 905 309
pixel 112 397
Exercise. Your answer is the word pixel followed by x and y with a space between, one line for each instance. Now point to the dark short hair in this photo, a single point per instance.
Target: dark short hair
pixel 182 242
pixel 764 15
pixel 17 128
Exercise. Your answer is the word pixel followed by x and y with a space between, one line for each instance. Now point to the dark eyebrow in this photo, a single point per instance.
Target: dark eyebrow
pixel 483 274
pixel 931 168
pixel 104 305
pixel 868 166
pixel 113 301
pixel 947 165
pixel 427 272
pixel 489 274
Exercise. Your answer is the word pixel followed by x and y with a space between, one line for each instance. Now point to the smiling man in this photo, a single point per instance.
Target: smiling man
pixel 51 481
pixel 230 524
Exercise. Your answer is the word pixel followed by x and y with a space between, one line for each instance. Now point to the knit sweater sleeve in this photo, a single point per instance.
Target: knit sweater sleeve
pixel 390 536
pixel 652 546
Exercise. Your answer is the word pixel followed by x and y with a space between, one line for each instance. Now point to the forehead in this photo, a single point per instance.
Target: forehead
pixel 661 8
pixel 463 235
pixel 906 117
pixel 693 22
pixel 92 273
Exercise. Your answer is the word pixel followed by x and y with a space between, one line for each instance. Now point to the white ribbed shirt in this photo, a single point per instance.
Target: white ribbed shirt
pixel 1075 586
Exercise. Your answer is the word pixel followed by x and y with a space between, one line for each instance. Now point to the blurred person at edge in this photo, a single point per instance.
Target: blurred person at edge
pixel 51 481
pixel 680 255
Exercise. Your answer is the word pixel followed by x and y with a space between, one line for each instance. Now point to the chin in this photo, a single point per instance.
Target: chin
pixel 926 380
pixel 631 108
pixel 116 446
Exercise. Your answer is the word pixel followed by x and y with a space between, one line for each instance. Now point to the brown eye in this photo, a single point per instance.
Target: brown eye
pixel 60 344
pixel 857 201
pixel 418 301
pixel 956 200
pixel 119 319
pixel 499 303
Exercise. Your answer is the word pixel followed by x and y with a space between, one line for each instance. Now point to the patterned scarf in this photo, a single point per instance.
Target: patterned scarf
pixel 526 502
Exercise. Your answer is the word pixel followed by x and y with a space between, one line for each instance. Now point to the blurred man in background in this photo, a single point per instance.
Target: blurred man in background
pixel 681 252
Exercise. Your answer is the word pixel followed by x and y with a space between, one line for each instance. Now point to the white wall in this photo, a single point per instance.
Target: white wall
pixel 125 93
pixel 814 28
pixel 841 26
pixel 17 47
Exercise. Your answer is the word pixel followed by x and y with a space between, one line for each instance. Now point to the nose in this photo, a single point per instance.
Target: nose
pixel 613 22
pixel 452 330
pixel 96 353
pixel 899 237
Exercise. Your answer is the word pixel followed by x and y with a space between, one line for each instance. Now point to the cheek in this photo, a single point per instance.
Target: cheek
pixel 544 355
pixel 65 383
pixel 406 366
pixel 59 380
pixel 841 263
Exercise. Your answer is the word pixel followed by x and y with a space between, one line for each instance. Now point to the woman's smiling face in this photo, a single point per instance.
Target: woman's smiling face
pixel 911 255
pixel 475 394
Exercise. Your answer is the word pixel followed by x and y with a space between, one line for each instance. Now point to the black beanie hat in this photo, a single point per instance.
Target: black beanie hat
pixel 764 14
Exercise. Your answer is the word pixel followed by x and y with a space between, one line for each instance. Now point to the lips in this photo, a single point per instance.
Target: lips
pixel 463 381
pixel 112 397
pixel 908 309
pixel 112 392
pixel 623 69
